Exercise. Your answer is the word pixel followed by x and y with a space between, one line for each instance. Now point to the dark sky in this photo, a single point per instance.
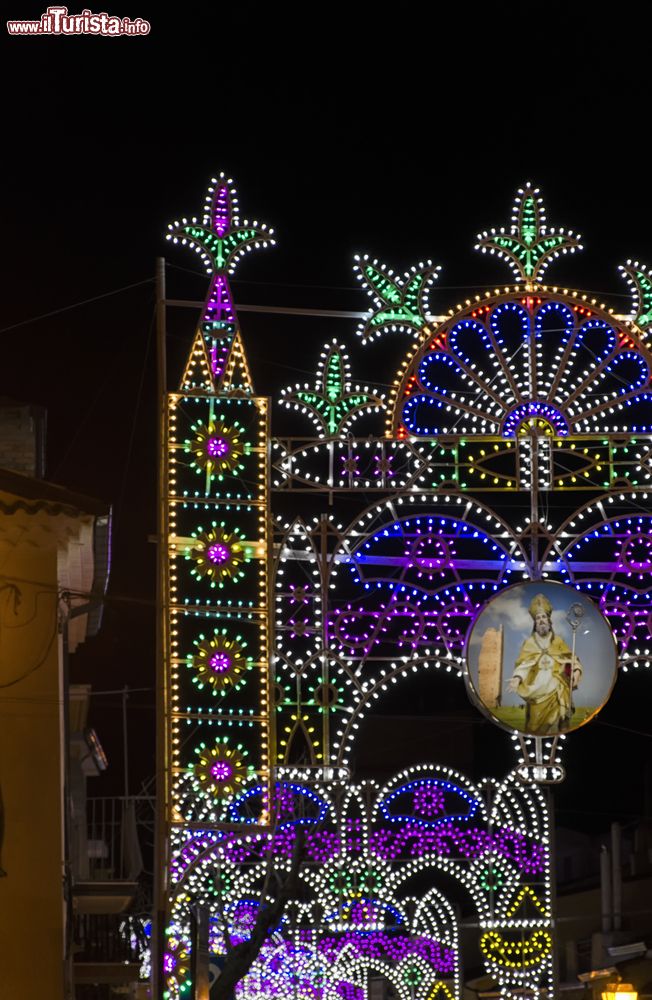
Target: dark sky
pixel 400 133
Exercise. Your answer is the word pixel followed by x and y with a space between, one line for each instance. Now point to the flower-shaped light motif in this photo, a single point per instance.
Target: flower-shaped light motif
pixel 429 800
pixel 551 365
pixel 219 662
pixel 217 448
pixel 530 245
pixel 220 239
pixel 333 402
pixel 218 554
pixel 400 303
pixel 221 769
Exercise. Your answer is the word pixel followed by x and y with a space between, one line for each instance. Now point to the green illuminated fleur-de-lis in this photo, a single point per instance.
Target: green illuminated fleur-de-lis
pixel 219 238
pixel 400 303
pixel 639 279
pixel 334 401
pixel 529 245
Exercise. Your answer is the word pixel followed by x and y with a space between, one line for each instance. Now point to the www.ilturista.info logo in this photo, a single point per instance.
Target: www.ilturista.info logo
pixel 57 21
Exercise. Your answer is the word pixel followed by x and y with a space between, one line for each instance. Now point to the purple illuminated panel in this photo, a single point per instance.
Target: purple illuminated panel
pixel 221 214
pixel 219 304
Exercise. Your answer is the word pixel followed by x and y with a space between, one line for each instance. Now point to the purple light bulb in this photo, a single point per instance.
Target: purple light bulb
pixel 220 663
pixel 217 447
pixel 218 553
pixel 221 770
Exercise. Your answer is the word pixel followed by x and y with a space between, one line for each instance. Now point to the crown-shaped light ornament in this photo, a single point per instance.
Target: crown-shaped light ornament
pixel 639 278
pixel 529 246
pixel 400 301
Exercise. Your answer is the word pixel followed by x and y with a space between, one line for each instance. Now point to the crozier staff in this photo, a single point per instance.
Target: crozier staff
pixel 545 674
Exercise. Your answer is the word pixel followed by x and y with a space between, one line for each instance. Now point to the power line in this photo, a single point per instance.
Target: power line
pixel 76 305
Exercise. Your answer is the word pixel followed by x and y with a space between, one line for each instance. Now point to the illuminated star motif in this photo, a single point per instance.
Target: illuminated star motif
pixel 218 554
pixel 219 238
pixel 530 245
pixel 217 448
pixel 219 663
pixel 639 279
pixel 400 303
pixel 220 769
pixel 334 402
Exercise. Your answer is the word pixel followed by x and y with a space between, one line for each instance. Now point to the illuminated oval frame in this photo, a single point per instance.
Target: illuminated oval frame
pixel 482 701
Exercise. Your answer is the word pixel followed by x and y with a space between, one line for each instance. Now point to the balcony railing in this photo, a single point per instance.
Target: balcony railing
pixel 109 841
pixel 107 937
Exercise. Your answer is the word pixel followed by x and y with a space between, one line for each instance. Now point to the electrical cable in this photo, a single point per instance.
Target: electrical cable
pixel 136 410
pixel 76 305
pixel 357 288
pixel 39 662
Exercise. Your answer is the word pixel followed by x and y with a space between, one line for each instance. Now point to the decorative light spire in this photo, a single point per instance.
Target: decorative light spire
pixel 529 246
pixel 400 303
pixel 220 239
pixel 639 278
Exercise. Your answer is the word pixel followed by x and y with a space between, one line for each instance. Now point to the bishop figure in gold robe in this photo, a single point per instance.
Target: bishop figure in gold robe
pixel 545 674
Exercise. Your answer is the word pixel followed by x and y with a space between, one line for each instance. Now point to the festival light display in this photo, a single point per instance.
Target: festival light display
pixel 530 245
pixel 533 393
pixel 365 846
pixel 400 303
pixel 333 402
pixel 218 524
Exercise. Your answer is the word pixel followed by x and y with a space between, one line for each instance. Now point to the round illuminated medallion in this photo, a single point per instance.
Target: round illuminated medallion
pixel 541 659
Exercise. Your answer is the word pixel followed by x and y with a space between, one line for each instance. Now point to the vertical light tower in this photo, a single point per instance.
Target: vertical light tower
pixel 215 568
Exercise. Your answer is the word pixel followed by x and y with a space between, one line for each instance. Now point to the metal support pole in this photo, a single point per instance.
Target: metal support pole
pixel 161 820
pixel 325 674
pixel 125 739
pixel 535 570
pixel 199 927
pixel 616 877
pixel 550 808
pixel 605 887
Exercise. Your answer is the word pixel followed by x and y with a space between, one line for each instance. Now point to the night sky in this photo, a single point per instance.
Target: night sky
pixel 348 129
